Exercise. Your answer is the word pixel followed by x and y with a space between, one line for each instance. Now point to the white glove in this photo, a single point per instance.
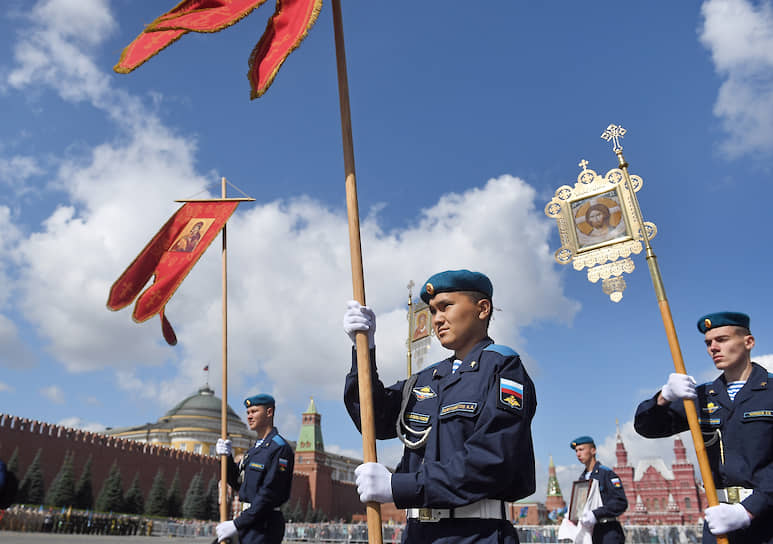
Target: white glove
pixel 374 483
pixel 360 318
pixel 679 386
pixel 588 519
pixel 223 447
pixel 224 530
pixel 726 518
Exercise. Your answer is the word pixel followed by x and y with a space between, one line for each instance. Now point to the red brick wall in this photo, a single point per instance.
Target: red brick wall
pixel 133 457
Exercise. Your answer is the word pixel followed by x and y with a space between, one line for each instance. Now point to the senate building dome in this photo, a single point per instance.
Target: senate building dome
pixel 192 425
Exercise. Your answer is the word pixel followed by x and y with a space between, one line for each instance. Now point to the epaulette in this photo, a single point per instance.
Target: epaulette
pixel 279 440
pixel 502 350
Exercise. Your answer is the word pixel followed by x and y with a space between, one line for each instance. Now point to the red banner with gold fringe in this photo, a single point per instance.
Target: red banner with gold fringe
pixel 168 258
pixel 286 29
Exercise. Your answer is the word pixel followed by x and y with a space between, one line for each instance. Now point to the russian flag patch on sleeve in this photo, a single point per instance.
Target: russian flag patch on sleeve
pixel 616 482
pixel 511 393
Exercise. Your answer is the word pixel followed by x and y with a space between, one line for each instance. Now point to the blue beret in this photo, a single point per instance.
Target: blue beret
pixel 456 280
pixel 581 440
pixel 722 319
pixel 257 400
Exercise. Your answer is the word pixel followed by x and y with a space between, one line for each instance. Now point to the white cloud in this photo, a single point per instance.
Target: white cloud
pixel 346 452
pixel 14 171
pixel 53 393
pixel 739 35
pixel 78 423
pixel 5 387
pixel 13 352
pixel 53 49
pixel 764 360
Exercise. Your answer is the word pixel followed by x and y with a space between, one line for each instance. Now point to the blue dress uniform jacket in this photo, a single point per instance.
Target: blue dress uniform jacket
pixel 607 529
pixel 268 475
pixel 742 455
pixel 479 445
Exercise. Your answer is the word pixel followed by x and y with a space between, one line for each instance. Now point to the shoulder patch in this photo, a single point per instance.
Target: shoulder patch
pixel 502 350
pixel 279 440
pixel 510 394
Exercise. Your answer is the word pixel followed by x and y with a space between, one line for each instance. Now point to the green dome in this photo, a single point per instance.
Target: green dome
pixel 203 403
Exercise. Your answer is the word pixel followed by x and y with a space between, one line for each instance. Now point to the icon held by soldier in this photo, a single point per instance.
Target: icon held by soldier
pixel 735 412
pixel 465 421
pixel 601 522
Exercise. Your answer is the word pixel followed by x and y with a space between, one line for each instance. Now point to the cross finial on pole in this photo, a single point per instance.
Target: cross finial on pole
pixel 614 133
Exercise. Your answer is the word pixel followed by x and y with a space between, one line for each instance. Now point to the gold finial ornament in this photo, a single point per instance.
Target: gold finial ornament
pixel 614 133
pixel 599 221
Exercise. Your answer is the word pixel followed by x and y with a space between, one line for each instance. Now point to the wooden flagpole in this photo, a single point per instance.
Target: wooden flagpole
pixel 367 422
pixel 673 341
pixel 224 384
pixel 224 399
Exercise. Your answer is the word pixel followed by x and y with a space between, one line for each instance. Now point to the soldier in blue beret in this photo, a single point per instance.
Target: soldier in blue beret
pixel 735 412
pixel 263 476
pixel 465 422
pixel 601 522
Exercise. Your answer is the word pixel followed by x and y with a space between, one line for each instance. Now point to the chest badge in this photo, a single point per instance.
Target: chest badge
pixel 511 393
pixel 424 393
pixel 711 408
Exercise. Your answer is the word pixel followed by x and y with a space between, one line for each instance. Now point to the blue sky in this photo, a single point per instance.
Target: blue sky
pixel 465 121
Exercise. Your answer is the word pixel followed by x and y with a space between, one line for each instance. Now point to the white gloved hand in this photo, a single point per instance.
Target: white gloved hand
pixel 224 530
pixel 726 518
pixel 360 318
pixel 588 519
pixel 679 386
pixel 374 483
pixel 223 447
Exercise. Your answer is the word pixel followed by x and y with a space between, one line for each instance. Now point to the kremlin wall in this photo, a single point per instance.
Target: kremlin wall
pixel 184 438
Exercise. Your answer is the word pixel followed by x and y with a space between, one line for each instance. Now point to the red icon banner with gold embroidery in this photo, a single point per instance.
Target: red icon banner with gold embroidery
pixel 286 29
pixel 168 258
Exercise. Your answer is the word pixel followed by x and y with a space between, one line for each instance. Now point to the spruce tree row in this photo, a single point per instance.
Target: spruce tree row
pixel 161 501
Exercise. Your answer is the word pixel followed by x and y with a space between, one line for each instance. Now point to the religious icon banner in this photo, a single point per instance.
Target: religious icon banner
pixel 168 258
